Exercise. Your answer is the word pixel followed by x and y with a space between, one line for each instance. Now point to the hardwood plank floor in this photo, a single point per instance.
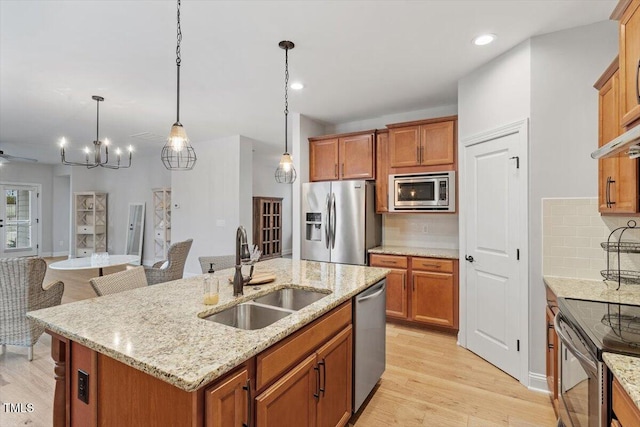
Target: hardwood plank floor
pixel 429 380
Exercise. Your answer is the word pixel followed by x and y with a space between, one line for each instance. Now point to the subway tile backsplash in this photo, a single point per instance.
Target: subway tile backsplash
pixel 572 233
pixel 421 230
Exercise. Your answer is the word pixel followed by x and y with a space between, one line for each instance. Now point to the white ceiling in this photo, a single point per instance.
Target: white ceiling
pixel 357 59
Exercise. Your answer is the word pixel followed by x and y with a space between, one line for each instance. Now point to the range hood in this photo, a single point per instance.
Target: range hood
pixel 628 142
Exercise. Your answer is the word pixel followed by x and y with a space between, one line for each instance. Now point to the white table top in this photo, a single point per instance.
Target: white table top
pixel 86 262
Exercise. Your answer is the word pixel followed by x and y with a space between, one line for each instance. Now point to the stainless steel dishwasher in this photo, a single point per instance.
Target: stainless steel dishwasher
pixel 369 341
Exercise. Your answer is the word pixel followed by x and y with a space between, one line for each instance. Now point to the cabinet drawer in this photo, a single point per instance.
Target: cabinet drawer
pixel 626 411
pixel 90 229
pixel 272 362
pixel 82 252
pixel 388 261
pixel 432 264
pixel 163 233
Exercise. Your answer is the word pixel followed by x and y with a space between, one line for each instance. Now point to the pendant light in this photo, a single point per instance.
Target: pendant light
pixel 286 173
pixel 177 153
pixel 97 148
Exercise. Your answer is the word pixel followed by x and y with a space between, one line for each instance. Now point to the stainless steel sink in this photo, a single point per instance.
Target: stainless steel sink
pixel 290 299
pixel 248 316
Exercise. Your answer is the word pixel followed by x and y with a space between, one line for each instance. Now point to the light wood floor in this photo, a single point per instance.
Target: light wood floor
pixel 429 380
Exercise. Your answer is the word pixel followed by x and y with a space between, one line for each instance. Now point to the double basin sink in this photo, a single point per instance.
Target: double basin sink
pixel 267 309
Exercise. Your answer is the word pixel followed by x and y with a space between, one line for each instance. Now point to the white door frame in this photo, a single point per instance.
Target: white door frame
pixel 522 129
pixel 38 207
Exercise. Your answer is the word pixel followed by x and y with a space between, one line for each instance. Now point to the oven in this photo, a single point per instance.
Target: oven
pixel 582 377
pixel 433 191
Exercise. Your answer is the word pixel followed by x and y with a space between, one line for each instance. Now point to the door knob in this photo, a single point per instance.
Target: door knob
pixel 468 258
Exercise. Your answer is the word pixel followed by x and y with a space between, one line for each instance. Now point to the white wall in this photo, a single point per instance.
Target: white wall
pixel 214 199
pixel 34 173
pixel 124 186
pixel 564 131
pixel 302 128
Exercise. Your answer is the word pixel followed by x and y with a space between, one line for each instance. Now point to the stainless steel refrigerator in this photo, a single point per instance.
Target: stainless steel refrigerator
pixel 339 221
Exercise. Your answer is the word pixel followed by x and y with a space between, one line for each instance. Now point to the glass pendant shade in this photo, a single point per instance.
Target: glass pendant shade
pixel 286 172
pixel 177 153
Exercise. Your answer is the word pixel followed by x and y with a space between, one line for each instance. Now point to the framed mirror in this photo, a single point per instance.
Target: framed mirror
pixel 135 231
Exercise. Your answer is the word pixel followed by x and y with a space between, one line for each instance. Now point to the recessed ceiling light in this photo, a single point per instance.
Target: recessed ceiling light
pixel 296 86
pixel 484 39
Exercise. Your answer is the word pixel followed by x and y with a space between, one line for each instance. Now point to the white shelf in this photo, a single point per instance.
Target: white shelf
pixel 90 216
pixel 161 222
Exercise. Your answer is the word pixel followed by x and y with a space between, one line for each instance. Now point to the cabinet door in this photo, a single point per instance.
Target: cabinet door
pixel 397 295
pixel 357 157
pixel 335 364
pixel 433 298
pixel 552 357
pixel 437 144
pixel 291 401
pixel 404 146
pixel 382 172
pixel 608 129
pixel 226 402
pixel 323 160
pixel 630 63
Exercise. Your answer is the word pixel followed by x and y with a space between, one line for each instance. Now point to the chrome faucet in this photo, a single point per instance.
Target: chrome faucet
pixel 242 255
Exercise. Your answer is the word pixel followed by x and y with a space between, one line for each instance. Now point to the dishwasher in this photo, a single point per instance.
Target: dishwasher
pixel 369 341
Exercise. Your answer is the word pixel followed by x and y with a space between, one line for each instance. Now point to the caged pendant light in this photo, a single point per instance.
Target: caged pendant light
pixel 177 153
pixel 286 172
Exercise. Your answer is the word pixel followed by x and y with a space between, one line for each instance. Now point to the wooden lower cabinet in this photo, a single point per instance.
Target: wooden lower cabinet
pixel 552 350
pixel 316 391
pixel 624 408
pixel 421 290
pixel 226 403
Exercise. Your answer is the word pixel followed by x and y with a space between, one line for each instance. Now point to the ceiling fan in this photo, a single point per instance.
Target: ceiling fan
pixel 11 158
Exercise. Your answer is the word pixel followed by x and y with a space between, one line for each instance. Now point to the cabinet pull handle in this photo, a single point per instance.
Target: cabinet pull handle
pixel 606 191
pixel 431 265
pixel 343 169
pixel 609 182
pixel 638 81
pixel 388 261
pixel 317 393
pixel 421 154
pixel 335 170
pixel 324 375
pixel 418 154
pixel 247 387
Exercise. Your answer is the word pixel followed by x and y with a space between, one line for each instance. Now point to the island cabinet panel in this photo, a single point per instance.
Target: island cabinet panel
pixel 226 402
pixel 274 361
pixel 630 64
pixel 128 395
pixel 335 367
pixel 291 401
pixel 625 410
pixel 83 362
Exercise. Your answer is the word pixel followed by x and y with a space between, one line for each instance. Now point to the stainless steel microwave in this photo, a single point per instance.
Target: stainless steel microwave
pixel 433 191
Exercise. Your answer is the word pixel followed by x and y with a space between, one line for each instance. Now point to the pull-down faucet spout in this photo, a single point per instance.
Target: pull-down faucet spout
pixel 242 255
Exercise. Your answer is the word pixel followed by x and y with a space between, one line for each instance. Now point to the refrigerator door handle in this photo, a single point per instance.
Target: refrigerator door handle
pixel 333 219
pixel 327 221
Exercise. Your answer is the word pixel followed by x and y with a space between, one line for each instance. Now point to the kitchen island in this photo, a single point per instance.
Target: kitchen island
pixel 156 337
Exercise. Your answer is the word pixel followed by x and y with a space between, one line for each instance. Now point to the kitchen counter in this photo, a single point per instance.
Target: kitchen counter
pixel 160 331
pixel 627 370
pixel 595 290
pixel 413 251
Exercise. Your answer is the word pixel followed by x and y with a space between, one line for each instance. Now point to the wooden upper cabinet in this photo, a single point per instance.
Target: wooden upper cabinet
pixel 423 146
pixel 404 147
pixel 618 175
pixel 630 63
pixel 357 157
pixel 323 160
pixel 347 156
pixel 226 402
pixel 382 172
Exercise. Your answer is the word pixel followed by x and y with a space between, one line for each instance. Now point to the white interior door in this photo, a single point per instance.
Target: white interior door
pixel 494 246
pixel 18 220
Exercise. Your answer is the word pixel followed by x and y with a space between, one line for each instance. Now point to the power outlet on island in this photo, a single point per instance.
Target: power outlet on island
pixel 83 386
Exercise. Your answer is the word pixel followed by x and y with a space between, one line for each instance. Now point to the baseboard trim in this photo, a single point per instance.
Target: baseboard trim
pixel 61 253
pixel 538 382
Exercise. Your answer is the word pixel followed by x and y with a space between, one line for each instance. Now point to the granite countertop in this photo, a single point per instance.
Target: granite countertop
pixel 596 290
pixel 413 251
pixel 627 370
pixel 159 329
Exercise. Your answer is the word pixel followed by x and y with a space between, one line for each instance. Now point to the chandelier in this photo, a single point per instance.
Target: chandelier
pixel 286 173
pixel 94 159
pixel 177 153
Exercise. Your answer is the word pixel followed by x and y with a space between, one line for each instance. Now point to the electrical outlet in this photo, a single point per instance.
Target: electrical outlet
pixel 83 386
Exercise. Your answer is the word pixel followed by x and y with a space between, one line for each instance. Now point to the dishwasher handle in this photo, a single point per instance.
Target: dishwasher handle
pixel 568 342
pixel 380 289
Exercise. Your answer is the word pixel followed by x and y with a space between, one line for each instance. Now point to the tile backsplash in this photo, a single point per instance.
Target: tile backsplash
pixel 420 230
pixel 572 233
